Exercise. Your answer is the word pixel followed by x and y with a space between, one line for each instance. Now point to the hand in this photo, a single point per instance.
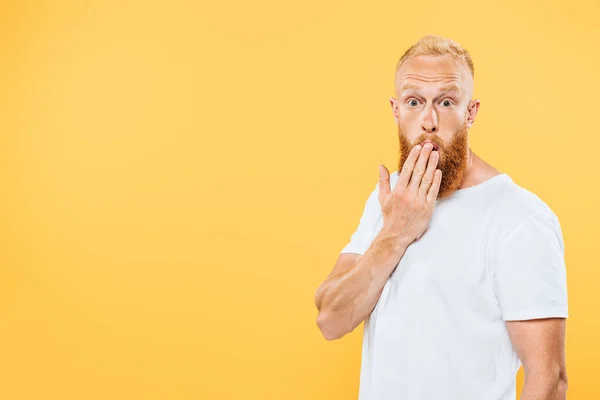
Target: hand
pixel 408 208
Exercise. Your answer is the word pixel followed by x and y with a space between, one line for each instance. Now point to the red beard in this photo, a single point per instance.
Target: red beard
pixel 452 161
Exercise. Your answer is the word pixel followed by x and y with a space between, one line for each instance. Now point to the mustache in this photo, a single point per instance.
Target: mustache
pixel 438 142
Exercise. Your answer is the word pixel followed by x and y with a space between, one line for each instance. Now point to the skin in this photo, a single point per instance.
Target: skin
pixel 433 102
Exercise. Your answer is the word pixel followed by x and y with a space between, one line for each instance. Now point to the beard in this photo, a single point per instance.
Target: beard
pixel 452 159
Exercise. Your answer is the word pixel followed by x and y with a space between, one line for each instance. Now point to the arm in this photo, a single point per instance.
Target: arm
pixel 354 286
pixel 531 287
pixel 540 344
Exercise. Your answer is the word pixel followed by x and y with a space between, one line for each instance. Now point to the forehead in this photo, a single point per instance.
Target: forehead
pixel 433 72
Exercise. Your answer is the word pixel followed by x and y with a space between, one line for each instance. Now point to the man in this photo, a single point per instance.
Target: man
pixel 457 272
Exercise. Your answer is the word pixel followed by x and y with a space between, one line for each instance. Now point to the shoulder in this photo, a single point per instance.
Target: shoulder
pixel 517 208
pixel 518 203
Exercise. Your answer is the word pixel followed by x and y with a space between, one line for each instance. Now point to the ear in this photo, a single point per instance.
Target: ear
pixel 472 111
pixel 394 104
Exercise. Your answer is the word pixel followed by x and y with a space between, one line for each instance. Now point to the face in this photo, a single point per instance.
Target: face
pixel 433 102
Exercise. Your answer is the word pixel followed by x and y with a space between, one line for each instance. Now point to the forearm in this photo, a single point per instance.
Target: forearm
pixel 349 297
pixel 544 387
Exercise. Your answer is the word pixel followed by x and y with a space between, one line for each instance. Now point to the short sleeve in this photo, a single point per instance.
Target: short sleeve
pixel 529 271
pixel 366 231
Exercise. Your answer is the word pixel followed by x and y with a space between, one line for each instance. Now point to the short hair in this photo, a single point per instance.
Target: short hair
pixel 432 45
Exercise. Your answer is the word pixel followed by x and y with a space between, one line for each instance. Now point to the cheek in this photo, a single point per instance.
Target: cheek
pixel 407 132
pixel 452 122
pixel 406 114
pixel 408 122
pixel 454 114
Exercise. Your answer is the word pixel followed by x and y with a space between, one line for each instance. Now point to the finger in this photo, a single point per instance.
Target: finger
pixel 427 179
pixel 419 170
pixel 384 183
pixel 408 166
pixel 435 187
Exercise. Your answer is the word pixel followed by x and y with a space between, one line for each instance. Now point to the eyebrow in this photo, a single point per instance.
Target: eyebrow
pixel 444 89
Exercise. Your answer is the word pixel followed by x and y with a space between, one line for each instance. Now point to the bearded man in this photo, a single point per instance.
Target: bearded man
pixel 457 271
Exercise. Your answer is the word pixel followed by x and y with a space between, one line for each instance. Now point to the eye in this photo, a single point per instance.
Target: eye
pixel 446 103
pixel 413 102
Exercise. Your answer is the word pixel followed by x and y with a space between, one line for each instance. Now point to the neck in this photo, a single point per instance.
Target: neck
pixel 470 178
pixel 476 171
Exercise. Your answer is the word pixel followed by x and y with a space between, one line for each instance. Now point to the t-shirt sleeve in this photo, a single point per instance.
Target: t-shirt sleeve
pixel 366 231
pixel 529 270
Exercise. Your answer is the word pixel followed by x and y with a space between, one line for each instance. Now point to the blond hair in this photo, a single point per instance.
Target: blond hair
pixel 432 45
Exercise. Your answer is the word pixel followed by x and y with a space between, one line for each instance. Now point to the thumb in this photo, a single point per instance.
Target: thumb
pixel 384 182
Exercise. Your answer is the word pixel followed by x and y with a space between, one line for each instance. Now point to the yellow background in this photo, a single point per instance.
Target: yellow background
pixel 178 177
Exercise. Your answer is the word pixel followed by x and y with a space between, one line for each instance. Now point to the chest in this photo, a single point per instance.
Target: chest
pixel 445 272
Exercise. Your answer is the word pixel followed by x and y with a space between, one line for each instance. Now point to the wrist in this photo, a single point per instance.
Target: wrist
pixel 393 240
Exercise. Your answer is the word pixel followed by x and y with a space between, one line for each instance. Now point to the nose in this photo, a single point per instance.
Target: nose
pixel 429 121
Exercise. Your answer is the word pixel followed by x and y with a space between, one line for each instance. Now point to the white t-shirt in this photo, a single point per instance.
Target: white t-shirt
pixel 492 253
